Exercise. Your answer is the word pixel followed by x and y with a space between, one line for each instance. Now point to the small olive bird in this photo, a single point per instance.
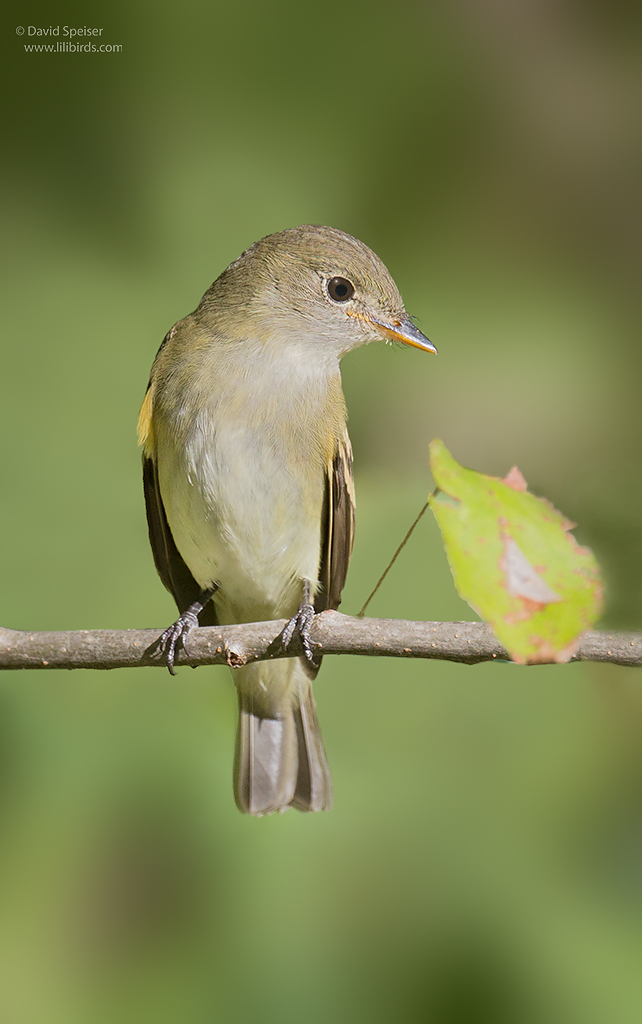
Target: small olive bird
pixel 247 471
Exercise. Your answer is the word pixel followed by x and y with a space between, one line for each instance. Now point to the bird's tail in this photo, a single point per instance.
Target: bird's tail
pixel 280 759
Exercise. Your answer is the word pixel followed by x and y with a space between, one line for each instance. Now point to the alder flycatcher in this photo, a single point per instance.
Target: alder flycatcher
pixel 247 471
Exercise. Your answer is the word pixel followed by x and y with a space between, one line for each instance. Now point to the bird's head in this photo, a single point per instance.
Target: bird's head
pixel 313 286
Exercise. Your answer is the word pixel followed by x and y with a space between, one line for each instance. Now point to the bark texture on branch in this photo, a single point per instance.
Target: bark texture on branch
pixel 332 633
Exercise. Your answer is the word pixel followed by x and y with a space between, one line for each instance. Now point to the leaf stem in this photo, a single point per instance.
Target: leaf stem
pixel 392 561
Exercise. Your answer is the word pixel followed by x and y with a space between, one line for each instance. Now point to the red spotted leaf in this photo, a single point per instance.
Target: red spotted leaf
pixel 515 560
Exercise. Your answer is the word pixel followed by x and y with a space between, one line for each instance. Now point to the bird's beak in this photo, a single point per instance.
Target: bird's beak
pixel 401 330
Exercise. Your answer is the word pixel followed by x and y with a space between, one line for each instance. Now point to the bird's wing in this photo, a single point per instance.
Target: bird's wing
pixel 169 564
pixel 337 527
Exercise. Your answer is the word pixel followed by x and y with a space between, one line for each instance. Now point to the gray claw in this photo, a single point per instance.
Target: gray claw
pixel 300 624
pixel 174 636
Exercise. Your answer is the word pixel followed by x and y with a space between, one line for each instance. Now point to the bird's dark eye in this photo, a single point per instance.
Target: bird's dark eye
pixel 340 289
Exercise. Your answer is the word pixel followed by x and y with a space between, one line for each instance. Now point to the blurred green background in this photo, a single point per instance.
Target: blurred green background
pixel 483 861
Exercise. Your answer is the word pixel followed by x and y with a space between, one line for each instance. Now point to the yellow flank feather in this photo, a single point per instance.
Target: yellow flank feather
pixel 145 432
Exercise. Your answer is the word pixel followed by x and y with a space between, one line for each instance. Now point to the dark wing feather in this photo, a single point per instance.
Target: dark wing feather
pixel 171 567
pixel 337 528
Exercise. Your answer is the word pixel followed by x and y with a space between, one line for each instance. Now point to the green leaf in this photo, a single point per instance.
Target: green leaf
pixel 514 560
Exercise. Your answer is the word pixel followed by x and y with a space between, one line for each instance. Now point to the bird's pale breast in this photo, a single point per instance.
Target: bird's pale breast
pixel 242 478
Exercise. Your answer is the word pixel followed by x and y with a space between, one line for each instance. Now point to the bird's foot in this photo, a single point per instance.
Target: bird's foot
pixel 174 636
pixel 299 625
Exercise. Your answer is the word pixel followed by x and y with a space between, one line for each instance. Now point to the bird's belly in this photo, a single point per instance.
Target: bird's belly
pixel 245 515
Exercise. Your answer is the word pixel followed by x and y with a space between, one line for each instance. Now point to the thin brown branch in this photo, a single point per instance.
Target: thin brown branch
pixel 332 632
